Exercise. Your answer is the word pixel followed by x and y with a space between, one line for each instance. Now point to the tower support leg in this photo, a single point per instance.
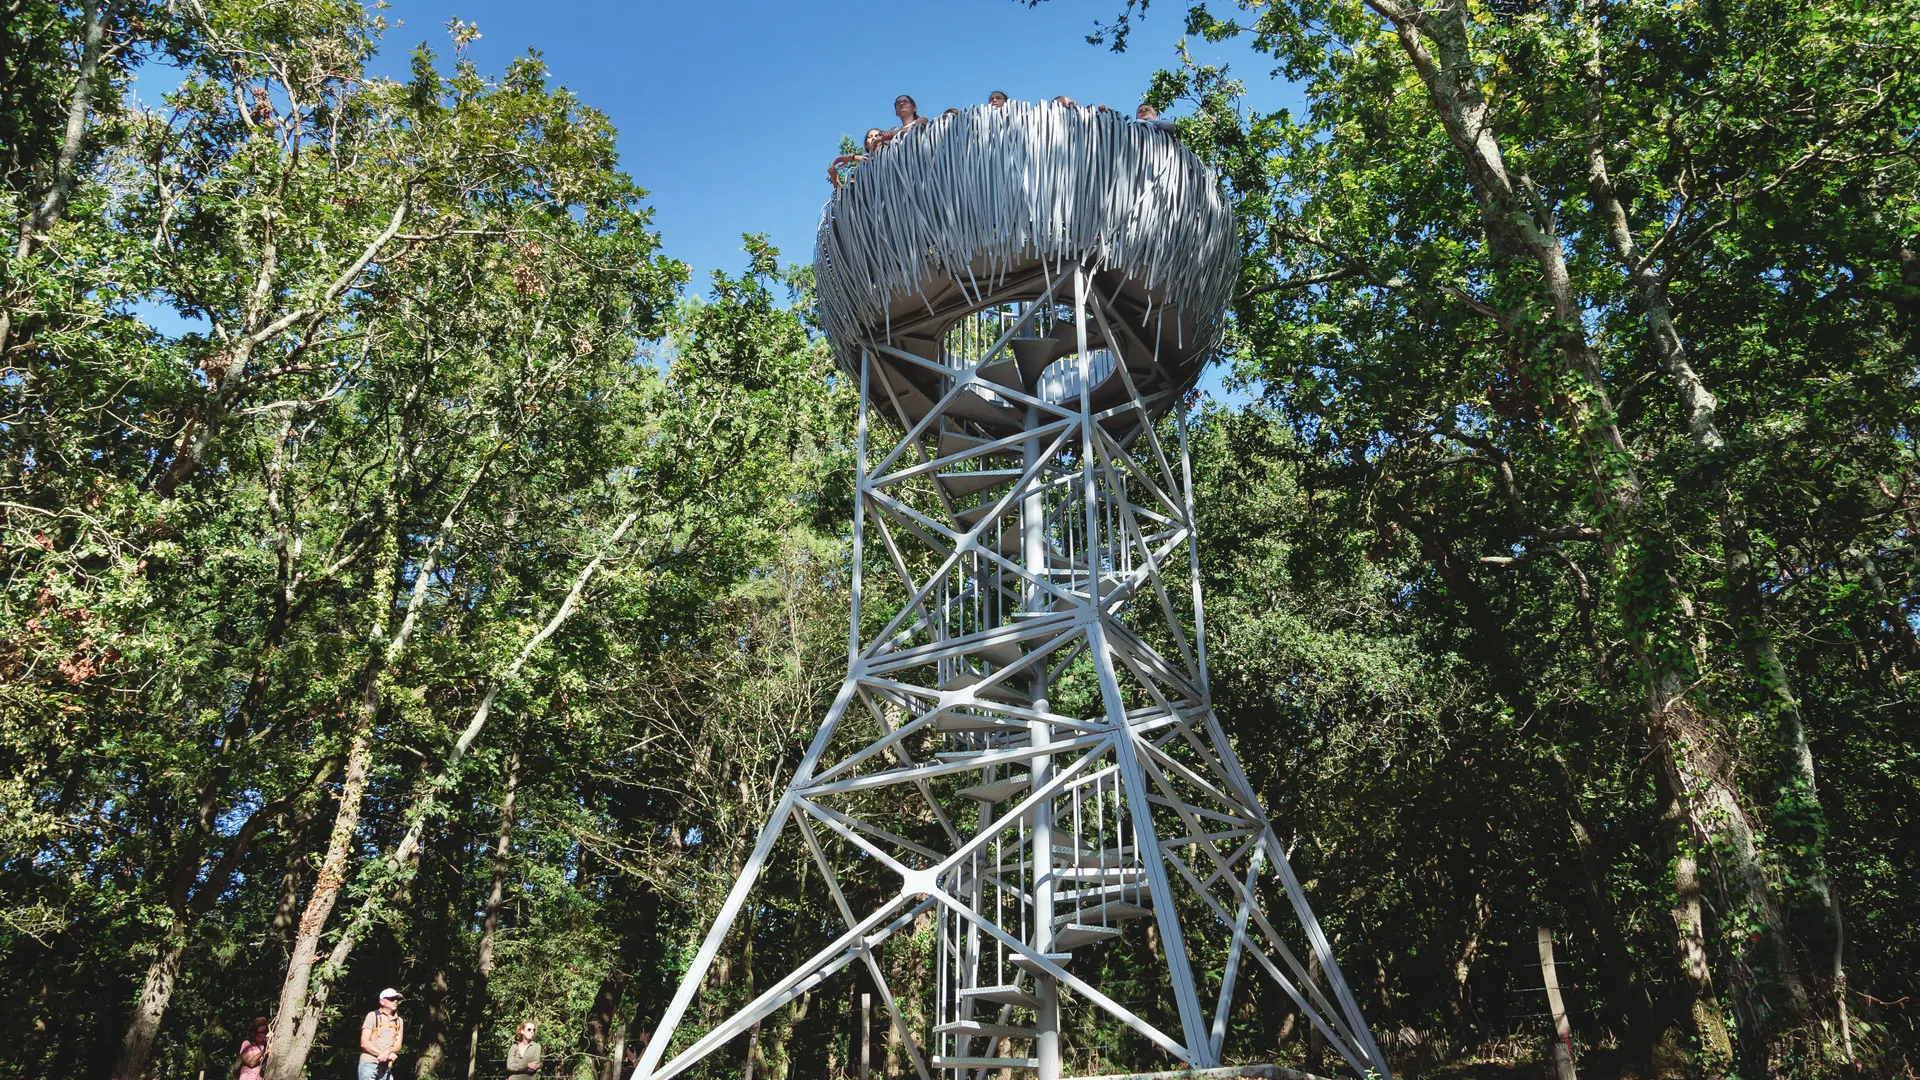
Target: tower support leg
pixel 1023 534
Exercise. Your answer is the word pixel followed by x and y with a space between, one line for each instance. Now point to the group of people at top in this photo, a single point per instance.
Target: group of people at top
pixel 908 112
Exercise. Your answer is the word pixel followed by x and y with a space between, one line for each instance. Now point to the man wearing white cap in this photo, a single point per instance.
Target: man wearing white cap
pixel 380 1037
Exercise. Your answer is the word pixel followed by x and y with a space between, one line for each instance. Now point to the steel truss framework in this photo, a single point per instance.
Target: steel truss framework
pixel 1041 548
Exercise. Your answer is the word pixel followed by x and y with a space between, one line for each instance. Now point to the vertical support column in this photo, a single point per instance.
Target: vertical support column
pixel 1193 553
pixel 1316 938
pixel 1033 551
pixel 856 577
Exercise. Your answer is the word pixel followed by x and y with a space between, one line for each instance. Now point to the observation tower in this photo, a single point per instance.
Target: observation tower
pixel 1023 769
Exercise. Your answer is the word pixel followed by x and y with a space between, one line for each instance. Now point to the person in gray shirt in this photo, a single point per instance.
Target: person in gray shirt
pixel 523 1057
pixel 1150 116
pixel 382 1035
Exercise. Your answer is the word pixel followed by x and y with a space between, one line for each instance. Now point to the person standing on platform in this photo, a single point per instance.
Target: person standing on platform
pixel 1150 116
pixel 908 111
pixel 382 1034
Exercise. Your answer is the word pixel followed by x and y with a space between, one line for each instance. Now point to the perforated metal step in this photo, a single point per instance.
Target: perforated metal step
pixel 1001 995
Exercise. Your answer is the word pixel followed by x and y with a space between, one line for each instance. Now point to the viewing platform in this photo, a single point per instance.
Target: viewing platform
pixel 949 239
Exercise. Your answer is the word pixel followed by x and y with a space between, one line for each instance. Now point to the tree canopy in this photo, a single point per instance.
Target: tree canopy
pixel 411 578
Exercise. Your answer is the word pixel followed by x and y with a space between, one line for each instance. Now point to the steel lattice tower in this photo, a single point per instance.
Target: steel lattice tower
pixel 1024 742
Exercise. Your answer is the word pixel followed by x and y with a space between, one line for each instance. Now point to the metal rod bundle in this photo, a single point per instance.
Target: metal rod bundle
pixel 975 195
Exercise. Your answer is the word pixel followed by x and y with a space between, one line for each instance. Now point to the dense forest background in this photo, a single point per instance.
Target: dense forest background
pixel 444 607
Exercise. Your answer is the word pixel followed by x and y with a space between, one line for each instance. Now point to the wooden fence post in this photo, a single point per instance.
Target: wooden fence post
pixel 1562 1032
pixel 866 1031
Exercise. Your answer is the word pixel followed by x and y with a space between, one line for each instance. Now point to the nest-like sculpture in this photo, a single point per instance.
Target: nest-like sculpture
pixel 992 204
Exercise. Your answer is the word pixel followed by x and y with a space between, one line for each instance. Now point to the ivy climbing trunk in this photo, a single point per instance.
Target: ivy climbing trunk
pixel 1703 808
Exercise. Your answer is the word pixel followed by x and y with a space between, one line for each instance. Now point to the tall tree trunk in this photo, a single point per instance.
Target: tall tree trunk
pixel 1634 1007
pixel 448 875
pixel 286 907
pixel 1798 819
pixel 639 929
pixel 1463 964
pixel 136 1046
pixel 490 919
pixel 311 995
pixel 307 986
pixel 603 1015
pixel 60 185
pixel 1316 1042
pixel 1698 1004
pixel 1437 42
pixel 295 1024
pixel 156 990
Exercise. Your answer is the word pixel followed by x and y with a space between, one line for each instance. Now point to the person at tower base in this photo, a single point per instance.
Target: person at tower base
pixel 382 1034
pixel 997 98
pixel 523 1057
pixel 253 1049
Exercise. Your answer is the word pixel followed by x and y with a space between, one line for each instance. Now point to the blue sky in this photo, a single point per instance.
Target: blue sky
pixel 728 112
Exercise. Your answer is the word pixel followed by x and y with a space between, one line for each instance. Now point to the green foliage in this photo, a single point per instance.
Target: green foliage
pixel 1604 408
pixel 417 391
pixel 324 393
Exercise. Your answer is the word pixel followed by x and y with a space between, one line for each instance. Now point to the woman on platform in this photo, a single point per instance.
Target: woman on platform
pixel 908 111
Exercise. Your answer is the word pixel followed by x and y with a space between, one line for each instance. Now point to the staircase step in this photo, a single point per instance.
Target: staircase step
pixel 994 791
pixel 999 691
pixel 1130 892
pixel 1110 874
pixel 969 755
pixel 1009 543
pixel 962 723
pixel 1033 355
pixel 999 653
pixel 926 348
pixel 1059 959
pixel 981 1029
pixel 1001 995
pixel 984 1063
pixel 971 516
pixel 1004 372
pixel 990 414
pixel 1053 605
pixel 1106 914
pixel 954 442
pixel 1088 860
pixel 1080 935
pixel 958 484
pixel 1123 856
